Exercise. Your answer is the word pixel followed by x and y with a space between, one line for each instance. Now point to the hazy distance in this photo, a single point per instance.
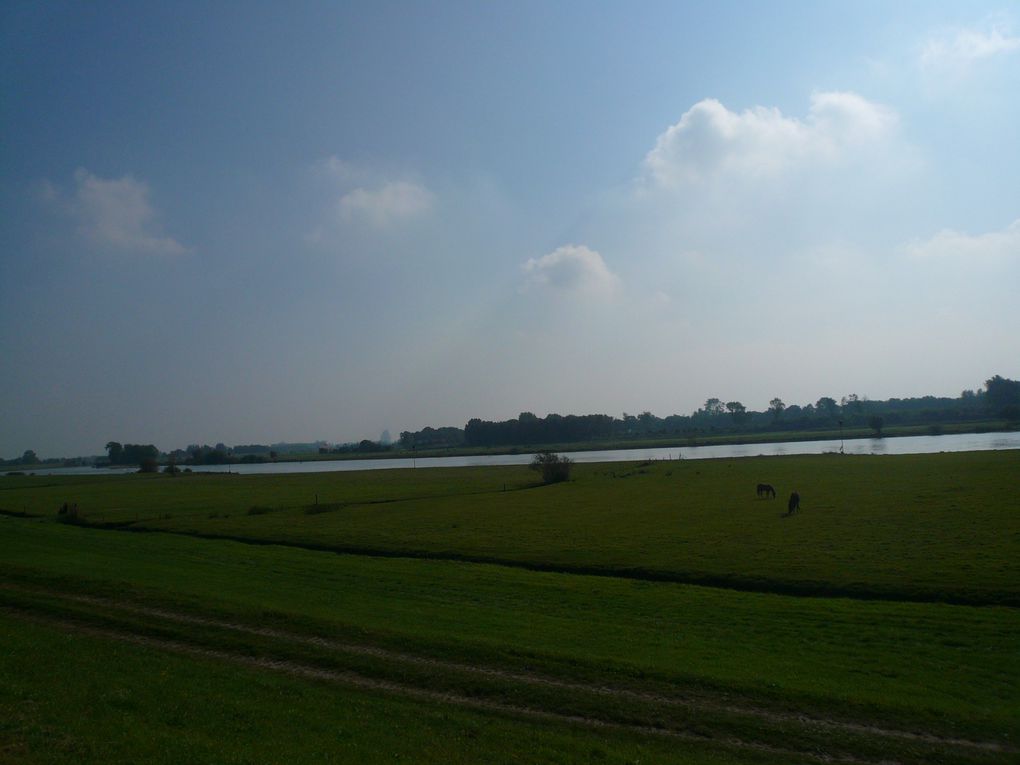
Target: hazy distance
pixel 254 224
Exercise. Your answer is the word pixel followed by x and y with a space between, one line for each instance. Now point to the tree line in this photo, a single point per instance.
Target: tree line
pixel 130 454
pixel 999 399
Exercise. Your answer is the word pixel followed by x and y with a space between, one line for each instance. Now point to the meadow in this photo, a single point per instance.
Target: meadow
pixel 475 615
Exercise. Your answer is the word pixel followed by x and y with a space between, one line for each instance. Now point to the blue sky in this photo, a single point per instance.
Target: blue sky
pixel 259 222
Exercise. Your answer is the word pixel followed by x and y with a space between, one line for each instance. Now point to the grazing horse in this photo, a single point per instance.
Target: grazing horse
pixel 794 504
pixel 766 490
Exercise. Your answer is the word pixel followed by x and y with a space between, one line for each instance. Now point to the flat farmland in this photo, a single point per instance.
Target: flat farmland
pixel 940 527
pixel 500 620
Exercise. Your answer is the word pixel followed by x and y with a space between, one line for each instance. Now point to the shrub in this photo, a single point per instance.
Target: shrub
pixel 553 467
pixel 68 513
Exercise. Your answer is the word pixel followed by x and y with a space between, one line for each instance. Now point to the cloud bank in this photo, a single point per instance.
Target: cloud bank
pixel 961 47
pixel 954 244
pixel 711 141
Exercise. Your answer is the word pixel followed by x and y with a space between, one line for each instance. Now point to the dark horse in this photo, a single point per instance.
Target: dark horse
pixel 766 490
pixel 794 504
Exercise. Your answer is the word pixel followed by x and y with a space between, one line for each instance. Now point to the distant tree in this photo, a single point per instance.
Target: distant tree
pixel 737 411
pixel 852 404
pixel 827 405
pixel 433 437
pixel 646 422
pixel 217 457
pixel 553 467
pixel 202 455
pixel 528 428
pixel 135 454
pixel 115 452
pixel 1002 397
pixel 29 458
pixel 776 406
pixel 148 465
pixel 875 423
pixel 714 406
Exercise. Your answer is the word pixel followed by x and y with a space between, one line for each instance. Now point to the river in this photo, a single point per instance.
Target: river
pixel 958 442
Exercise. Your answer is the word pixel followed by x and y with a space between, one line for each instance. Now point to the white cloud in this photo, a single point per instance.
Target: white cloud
pixel 389 203
pixel 954 244
pixel 959 48
pixel 333 165
pixel 346 174
pixel 361 195
pixel 711 141
pixel 116 213
pixel 574 269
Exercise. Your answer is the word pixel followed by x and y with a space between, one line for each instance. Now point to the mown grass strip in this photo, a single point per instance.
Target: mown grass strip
pixel 281 639
pixel 781 744
pixel 69 697
pixel 944 669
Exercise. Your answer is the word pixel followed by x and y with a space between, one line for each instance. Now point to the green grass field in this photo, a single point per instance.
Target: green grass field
pixel 937 528
pixel 485 618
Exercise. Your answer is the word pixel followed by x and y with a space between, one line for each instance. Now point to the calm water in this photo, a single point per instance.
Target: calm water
pixel 964 442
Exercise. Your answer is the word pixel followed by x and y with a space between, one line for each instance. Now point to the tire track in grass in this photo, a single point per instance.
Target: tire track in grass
pixel 527 678
pixel 355 680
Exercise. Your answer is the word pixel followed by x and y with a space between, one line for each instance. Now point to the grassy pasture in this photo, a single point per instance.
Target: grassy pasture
pixel 127 703
pixel 918 527
pixel 747 671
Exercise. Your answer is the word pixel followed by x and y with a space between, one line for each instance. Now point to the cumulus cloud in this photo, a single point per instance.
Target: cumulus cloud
pixel 115 214
pixel 389 203
pixel 710 140
pixel 361 195
pixel 959 48
pixel 573 269
pixel 955 244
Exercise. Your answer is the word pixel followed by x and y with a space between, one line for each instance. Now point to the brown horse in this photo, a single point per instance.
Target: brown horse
pixel 766 490
pixel 794 504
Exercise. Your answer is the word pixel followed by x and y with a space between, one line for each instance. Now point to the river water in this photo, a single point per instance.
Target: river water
pixel 961 442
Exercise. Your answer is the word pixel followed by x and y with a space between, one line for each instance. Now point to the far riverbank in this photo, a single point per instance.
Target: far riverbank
pixel 959 442
pixel 688 441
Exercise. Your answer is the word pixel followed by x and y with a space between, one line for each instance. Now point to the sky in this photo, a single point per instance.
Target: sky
pixel 262 222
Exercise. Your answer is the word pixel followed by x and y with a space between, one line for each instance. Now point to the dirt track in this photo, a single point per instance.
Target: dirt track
pixel 355 679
